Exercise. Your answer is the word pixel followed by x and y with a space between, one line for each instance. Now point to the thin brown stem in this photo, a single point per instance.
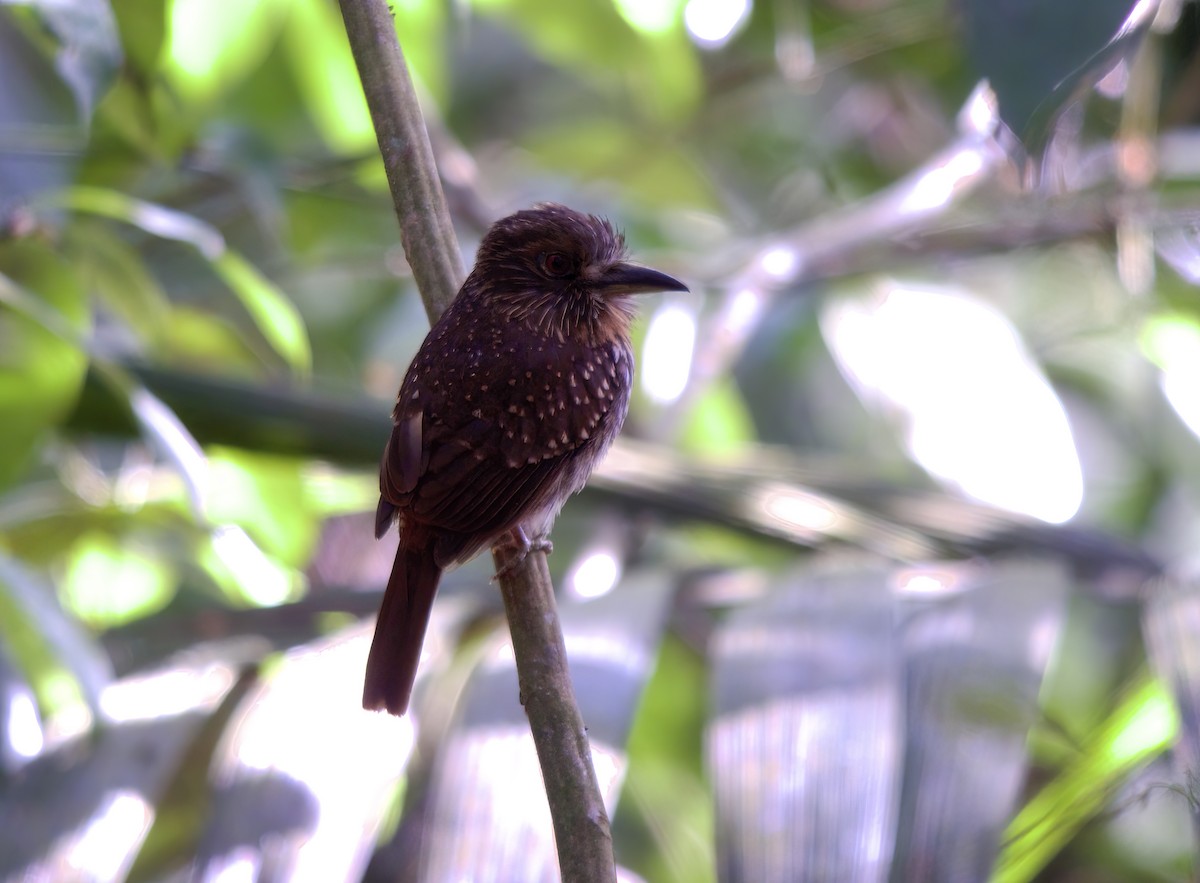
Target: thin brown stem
pixel 425 227
pixel 581 828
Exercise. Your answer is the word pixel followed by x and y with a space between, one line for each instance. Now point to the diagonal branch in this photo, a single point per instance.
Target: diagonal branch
pixel 425 227
pixel 581 827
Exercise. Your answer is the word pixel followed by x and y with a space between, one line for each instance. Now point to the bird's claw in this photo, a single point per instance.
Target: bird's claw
pixel 517 540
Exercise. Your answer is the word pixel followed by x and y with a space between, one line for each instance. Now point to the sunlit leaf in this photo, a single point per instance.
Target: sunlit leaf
pixel 213 44
pixel 1172 341
pixel 333 492
pixel 326 74
pixel 266 496
pixel 1142 726
pixel 328 79
pixel 108 583
pixel 420 25
pixel 42 315
pixel 993 426
pixel 719 422
pixel 243 571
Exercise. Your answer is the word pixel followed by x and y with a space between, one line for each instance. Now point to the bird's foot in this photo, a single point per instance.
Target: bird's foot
pixel 516 540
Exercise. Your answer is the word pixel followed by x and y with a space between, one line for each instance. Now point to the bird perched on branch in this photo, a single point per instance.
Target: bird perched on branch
pixel 513 398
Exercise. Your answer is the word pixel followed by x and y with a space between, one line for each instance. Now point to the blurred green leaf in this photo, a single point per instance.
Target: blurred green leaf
pixel 327 77
pixel 600 147
pixel 274 315
pixel 1171 340
pixel 88 49
pixel 213 44
pixel 1142 726
pixel 142 26
pixel 41 363
pixel 113 271
pixel 421 27
pixel 191 337
pixel 666 798
pixel 109 583
pixel 243 572
pixel 660 69
pixel 266 496
pixel 62 660
pixel 719 422
pixel 332 492
pixel 40 133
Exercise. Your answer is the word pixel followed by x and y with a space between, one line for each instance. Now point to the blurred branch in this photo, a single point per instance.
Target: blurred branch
pixel 769 494
pixel 581 826
pixel 279 420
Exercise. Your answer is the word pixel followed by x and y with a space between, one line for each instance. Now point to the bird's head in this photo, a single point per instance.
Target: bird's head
pixel 563 273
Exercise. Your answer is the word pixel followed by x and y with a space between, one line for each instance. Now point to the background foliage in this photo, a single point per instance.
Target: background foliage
pixel 909 496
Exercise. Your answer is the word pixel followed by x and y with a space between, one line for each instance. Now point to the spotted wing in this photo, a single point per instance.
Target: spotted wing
pixel 521 447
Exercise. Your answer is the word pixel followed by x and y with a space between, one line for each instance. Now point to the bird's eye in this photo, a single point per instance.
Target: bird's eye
pixel 555 263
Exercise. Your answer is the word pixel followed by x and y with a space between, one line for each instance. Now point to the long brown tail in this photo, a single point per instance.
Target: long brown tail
pixel 400 629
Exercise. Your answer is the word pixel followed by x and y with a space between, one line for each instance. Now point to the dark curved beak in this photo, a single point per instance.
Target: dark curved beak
pixel 629 279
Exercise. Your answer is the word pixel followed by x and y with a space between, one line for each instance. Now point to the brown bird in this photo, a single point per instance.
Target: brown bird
pixel 513 398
